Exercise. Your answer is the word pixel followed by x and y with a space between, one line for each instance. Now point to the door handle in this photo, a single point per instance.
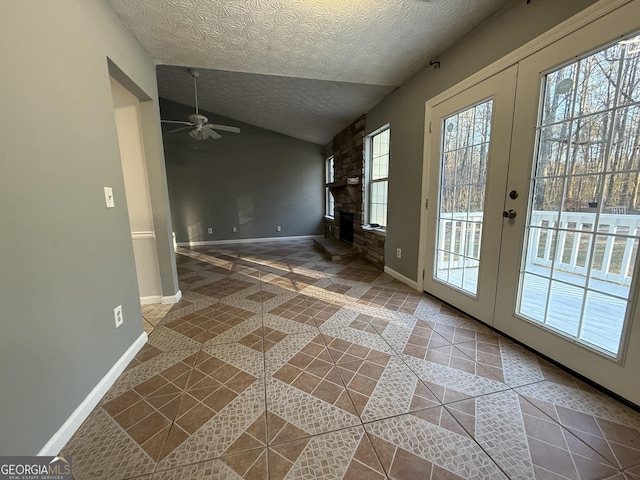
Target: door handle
pixel 509 214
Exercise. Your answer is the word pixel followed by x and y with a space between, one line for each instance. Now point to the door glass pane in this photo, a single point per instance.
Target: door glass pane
pixel 463 173
pixel 583 219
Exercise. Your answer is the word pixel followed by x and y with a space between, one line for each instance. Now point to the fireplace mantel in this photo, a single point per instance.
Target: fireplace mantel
pixel 351 186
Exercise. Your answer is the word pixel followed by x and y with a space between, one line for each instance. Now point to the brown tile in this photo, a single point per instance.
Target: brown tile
pixel 223 288
pixel 121 402
pixel 175 438
pixel 148 427
pixel 187 402
pixel 279 430
pixel 150 386
pixel 219 398
pixel 253 340
pixel 195 418
pixel 288 373
pixel 176 371
pixel 147 352
pixel 306 382
pixel 154 445
pixel 147 410
pixel 407 466
pixel 250 465
pixel 362 385
pixel 135 413
pixel 328 391
pixel 273 336
pixel 170 408
pixel 279 466
pixel 245 442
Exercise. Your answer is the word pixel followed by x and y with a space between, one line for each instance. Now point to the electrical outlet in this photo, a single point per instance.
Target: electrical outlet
pixel 117 315
pixel 399 252
pixel 278 228
pixel 234 229
pixel 209 230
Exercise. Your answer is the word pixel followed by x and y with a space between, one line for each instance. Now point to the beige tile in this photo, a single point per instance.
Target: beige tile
pixel 525 443
pixel 344 454
pixel 277 362
pixel 429 444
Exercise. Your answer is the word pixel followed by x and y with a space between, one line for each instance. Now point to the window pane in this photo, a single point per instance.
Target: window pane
pixel 463 166
pixel 379 203
pixel 584 214
pixel 329 178
pixel 379 172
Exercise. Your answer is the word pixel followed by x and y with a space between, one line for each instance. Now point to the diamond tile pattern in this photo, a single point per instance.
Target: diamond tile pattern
pixel 256 379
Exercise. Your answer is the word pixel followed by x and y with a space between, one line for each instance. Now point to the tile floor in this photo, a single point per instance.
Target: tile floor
pixel 278 364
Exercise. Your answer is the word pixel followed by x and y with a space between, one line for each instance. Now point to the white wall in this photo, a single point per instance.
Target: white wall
pixel 136 184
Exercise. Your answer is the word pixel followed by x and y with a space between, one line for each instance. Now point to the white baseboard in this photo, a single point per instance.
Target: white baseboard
pixel 169 299
pixel 402 278
pixel 166 300
pixel 80 414
pixel 151 300
pixel 246 240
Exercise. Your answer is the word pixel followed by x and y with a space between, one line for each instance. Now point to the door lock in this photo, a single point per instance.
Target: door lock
pixel 509 214
pixel 513 194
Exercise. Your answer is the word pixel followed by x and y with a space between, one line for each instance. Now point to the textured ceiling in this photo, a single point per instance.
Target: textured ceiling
pixel 311 110
pixel 362 42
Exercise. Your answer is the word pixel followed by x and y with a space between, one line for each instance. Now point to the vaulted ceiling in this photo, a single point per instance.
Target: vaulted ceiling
pixel 305 68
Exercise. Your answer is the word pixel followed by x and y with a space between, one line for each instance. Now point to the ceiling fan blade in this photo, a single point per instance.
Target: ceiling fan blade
pixel 223 128
pixel 178 129
pixel 181 122
pixel 211 132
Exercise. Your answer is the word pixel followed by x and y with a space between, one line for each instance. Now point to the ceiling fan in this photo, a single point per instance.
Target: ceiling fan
pixel 200 127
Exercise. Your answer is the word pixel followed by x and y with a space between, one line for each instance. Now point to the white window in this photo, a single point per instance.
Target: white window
pixel 329 204
pixel 582 228
pixel 378 159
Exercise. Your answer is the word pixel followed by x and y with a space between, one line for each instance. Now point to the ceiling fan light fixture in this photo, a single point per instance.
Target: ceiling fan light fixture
pixel 196 134
pixel 201 128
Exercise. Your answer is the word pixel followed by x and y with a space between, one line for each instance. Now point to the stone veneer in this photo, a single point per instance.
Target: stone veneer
pixel 348 163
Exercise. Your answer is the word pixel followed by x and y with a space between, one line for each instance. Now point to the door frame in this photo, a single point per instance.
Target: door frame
pixel 619 378
pixel 500 89
pixel 588 15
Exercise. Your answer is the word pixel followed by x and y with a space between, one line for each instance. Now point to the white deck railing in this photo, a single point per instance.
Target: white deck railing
pixel 573 248
pixel 451 246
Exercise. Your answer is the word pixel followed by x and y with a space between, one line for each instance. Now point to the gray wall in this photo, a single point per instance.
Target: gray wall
pixel 255 181
pixel 404 110
pixel 67 261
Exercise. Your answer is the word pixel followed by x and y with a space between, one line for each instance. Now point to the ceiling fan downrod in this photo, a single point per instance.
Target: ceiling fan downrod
pixel 195 74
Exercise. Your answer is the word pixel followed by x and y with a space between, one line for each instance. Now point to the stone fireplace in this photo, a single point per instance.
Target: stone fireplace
pixel 348 192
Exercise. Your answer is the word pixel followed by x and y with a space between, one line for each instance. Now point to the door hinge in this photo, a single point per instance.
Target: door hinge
pixel 423 274
pixel 429 127
pixel 426 204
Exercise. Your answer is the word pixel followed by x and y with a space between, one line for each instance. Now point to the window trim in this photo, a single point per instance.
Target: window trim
pixel 368 174
pixel 329 176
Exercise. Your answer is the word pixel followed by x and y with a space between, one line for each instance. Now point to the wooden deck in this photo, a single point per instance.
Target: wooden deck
pixel 605 305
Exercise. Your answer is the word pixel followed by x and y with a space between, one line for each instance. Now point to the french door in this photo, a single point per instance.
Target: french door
pixel 543 243
pixel 470 139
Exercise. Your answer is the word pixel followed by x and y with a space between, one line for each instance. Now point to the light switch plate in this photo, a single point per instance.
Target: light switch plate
pixel 108 197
